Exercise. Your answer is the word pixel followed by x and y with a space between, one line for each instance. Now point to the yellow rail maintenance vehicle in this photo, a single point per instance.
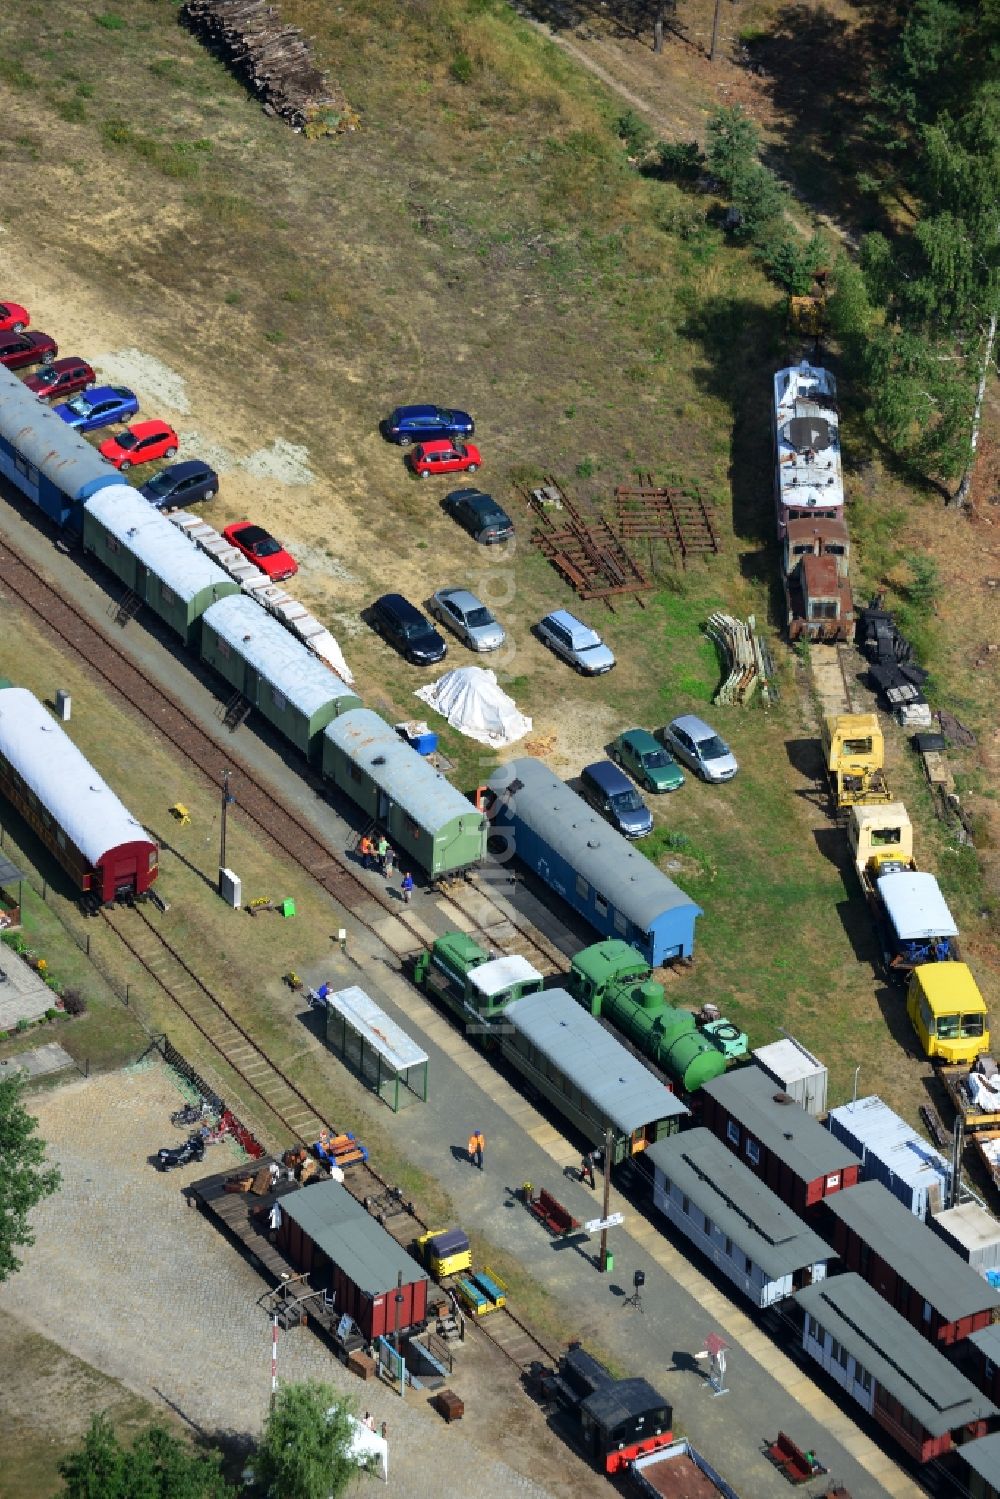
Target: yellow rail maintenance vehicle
pixel 948 1013
pixel 854 756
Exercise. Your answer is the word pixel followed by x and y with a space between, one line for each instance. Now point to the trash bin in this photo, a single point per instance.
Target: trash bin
pixel 609 1261
pixel 288 908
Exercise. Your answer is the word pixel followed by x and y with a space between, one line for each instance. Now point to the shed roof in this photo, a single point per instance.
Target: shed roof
pixel 381 1032
pixel 917 1255
pixel 987 1340
pixel 44 439
pixel 567 1035
pixel 739 1203
pixel 915 905
pixel 970 1225
pixel 983 1457
pixel 284 662
pixel 351 1238
pixel 910 1368
pixel 783 1128
pixel 397 769
pixel 62 778
pixel 871 1126
pixel 789 1060
pixel 501 973
pixel 159 546
pixel 550 808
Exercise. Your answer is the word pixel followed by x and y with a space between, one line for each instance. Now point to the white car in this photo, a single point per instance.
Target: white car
pixel 699 746
pixel 576 643
pixel 469 617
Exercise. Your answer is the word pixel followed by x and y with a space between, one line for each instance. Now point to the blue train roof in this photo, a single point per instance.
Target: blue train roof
pixel 404 775
pixel 276 654
pixel 64 457
pixel 554 811
pixel 166 552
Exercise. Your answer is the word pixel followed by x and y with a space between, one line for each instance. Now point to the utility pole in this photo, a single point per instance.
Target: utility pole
pixel 226 799
pixel 607 1198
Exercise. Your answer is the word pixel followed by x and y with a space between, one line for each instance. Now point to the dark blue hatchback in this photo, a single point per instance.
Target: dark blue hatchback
pixel 181 484
pixel 425 423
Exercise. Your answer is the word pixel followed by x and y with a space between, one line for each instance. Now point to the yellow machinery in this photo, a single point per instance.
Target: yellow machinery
pixel 880 835
pixel 445 1252
pixel 854 755
pixel 948 1012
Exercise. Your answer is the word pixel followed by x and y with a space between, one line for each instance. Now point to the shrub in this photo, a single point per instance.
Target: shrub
pixel 635 133
pixel 51 1014
pixel 732 146
pixel 110 20
pixel 461 68
pixel 682 160
pixel 22 1025
pixel 74 1002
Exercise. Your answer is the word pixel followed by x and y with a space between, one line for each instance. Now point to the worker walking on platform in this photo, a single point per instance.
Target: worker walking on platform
pixel 383 853
pixel 477 1148
pixel 587 1170
pixel 366 851
pixel 407 887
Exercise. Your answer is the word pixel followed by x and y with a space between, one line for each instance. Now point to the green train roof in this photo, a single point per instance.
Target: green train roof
pixel 610 960
pixel 460 950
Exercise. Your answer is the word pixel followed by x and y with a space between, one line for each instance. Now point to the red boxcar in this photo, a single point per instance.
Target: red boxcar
pixel 325 1232
pixel 74 813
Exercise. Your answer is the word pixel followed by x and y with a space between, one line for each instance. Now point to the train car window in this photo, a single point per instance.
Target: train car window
pixel 753 1151
pixel 733 1131
pixel 729 1249
pixel 223 646
pixel 686 1206
pixel 153 858
pixel 354 771
pixel 621 923
pixel 111 544
pixel 167 594
pixel 600 904
pixel 863 1378
pixel 60 838
pixel 279 699
pixel 414 829
pixel 21 464
pixel 582 887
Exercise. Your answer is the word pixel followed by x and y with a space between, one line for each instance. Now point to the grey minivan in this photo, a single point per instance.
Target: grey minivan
pixel 610 792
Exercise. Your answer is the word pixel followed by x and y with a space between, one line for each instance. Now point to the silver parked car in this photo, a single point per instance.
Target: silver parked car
pixel 469 617
pixel 576 643
pixel 699 746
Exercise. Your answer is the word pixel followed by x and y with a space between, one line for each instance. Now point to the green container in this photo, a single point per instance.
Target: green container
pixel 288 908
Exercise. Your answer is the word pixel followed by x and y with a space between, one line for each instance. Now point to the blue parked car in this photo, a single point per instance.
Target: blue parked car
pixel 425 424
pixel 98 407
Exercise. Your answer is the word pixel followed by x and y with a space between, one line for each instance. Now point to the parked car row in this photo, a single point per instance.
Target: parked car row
pixel 651 760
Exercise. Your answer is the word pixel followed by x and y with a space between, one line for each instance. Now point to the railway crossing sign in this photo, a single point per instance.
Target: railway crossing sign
pixel 597 1225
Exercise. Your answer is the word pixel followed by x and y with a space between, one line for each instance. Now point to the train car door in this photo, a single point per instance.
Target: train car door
pixel 141 579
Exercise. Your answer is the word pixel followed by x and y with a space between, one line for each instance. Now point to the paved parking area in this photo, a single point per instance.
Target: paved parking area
pixel 129 1278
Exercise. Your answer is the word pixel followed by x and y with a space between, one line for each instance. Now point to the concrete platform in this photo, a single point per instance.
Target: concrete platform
pixel 23 995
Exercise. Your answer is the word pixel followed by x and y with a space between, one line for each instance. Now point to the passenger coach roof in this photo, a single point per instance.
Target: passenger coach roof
pixel 405 776
pixel 44 439
pixel 626 878
pixel 592 1060
pixel 915 906
pixel 159 546
pixel 64 781
pixel 276 654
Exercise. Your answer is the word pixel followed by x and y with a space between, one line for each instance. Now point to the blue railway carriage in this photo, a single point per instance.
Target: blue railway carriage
pixel 53 466
pixel 155 561
pixel 587 1075
pixel 539 820
pixel 75 814
pixel 438 829
pixel 273 671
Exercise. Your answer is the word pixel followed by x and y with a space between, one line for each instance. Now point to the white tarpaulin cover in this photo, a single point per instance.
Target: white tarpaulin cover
pixel 469 698
pixel 368 1448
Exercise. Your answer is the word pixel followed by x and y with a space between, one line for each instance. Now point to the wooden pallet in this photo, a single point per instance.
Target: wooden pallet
pixel 663 513
pixel 583 548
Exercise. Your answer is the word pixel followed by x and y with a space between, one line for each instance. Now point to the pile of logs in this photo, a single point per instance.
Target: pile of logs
pixel 275 60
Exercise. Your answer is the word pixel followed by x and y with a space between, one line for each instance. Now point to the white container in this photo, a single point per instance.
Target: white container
pixel 801 1075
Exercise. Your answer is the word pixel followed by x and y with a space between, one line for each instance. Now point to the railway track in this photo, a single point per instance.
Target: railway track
pixel 273 817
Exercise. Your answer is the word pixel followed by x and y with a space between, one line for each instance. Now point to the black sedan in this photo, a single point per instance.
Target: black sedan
pixel 181 484
pixel 403 625
pixel 480 514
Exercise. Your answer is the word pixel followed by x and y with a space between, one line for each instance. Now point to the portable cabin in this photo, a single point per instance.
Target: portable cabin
pixel 808 479
pixel 796 1072
pixel 734 1219
pixel 376 1047
pixel 894 1154
pixel 948 1012
pixel 42 456
pixel 154 560
pixel 907 1264
pixel 423 814
pixel 589 1076
pixel 72 810
pixel 539 820
pixel 273 672
pixel 777 1140
pixel 973 1233
pixel 903 1382
pixel 981 1460
pixel 331 1237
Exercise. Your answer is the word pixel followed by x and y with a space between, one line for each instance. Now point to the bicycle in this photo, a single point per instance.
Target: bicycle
pixel 193 1113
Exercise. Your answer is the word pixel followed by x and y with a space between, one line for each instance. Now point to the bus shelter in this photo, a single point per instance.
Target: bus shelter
pixel 375 1047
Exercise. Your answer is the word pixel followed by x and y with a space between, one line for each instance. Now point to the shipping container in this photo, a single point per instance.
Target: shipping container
pixel 797 1072
pixel 894 1154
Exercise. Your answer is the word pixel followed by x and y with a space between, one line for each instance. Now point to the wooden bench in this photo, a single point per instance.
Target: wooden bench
pixel 791 1460
pixel 547 1210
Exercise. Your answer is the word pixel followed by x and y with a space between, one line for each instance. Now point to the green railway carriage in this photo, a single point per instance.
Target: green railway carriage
pixel 273 671
pixel 432 824
pixel 154 560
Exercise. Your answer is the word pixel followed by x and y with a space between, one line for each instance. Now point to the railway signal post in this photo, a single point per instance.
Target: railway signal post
pixel 227 799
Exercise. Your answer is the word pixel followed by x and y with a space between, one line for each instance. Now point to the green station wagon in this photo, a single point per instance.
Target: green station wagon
pixel 647 761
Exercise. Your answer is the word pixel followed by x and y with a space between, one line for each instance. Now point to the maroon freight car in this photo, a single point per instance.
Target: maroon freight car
pixel 329 1235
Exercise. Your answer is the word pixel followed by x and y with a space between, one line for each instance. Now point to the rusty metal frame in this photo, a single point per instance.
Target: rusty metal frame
pixel 584 549
pixel 656 512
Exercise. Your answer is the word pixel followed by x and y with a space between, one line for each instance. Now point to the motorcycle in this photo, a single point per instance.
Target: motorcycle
pixel 193 1149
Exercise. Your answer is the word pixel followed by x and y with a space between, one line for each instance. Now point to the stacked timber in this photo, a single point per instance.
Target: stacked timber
pixel 275 60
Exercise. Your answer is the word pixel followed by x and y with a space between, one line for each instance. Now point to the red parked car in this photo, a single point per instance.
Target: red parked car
pixel 140 443
pixel 61 378
pixel 13 316
pixel 260 547
pixel 20 349
pixel 443 457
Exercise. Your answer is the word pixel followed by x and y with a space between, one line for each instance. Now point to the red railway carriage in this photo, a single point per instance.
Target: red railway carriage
pixel 75 814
